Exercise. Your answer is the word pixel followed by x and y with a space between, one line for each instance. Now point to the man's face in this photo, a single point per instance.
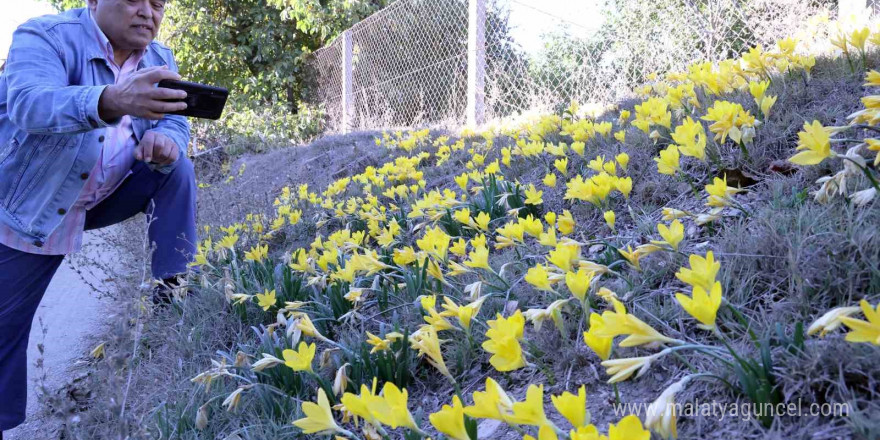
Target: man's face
pixel 128 24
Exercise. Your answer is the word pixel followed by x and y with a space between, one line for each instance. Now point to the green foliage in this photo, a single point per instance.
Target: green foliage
pixel 255 48
pixel 487 201
pixel 256 129
pixel 63 5
pixel 394 365
pixel 252 47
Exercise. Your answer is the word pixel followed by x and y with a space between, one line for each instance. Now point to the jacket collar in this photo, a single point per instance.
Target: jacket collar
pixel 98 45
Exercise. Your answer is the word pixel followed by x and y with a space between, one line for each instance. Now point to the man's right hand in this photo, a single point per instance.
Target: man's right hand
pixel 137 96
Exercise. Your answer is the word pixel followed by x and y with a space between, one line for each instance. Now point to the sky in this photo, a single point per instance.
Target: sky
pixel 16 12
pixel 531 18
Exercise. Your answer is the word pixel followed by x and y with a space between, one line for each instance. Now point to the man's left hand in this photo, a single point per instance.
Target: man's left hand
pixel 157 148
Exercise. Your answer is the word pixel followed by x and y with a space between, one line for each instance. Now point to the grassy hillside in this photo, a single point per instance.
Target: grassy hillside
pixel 542 274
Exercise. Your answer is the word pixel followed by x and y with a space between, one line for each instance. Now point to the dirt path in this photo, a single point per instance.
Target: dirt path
pixel 71 313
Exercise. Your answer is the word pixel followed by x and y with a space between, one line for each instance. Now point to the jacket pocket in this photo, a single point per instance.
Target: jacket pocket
pixel 40 157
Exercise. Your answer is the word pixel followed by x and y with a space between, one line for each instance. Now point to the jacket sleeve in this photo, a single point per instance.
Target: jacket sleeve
pixel 175 127
pixel 39 98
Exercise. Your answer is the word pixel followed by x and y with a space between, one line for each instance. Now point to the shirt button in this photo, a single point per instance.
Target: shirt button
pixel 84 176
pixel 62 211
pixel 101 138
pixel 38 243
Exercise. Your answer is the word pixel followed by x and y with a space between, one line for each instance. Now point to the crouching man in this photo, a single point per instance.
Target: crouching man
pixel 85 142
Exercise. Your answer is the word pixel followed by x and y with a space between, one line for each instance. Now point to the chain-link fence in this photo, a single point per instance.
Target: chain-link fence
pixel 409 62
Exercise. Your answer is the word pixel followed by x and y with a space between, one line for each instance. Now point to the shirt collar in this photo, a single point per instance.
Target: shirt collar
pixel 104 42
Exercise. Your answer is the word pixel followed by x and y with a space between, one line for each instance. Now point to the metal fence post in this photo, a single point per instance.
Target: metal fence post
pixel 847 8
pixel 476 98
pixel 347 83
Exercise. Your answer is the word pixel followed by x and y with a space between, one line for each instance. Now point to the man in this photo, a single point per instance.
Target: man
pixel 85 142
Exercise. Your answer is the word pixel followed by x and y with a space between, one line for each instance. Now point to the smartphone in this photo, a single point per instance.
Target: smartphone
pixel 202 101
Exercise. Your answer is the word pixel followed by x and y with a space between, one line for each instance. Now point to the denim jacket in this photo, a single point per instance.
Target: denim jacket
pixel 50 132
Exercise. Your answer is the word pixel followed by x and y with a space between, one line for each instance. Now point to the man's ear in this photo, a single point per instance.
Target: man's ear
pixel 92 4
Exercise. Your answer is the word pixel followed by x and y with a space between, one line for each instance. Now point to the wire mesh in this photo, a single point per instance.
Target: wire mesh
pixel 409 64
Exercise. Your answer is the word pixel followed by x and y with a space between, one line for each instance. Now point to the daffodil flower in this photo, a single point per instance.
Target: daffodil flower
pixel 701 305
pixel 301 358
pixel 815 140
pixel 450 420
pixel 702 271
pixel 318 417
pixel 503 342
pixel 864 331
pixel 573 407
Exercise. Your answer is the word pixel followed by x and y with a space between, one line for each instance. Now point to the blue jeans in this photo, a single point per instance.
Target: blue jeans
pixel 169 198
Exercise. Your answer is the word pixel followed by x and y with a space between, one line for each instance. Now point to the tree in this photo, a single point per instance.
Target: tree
pixel 253 47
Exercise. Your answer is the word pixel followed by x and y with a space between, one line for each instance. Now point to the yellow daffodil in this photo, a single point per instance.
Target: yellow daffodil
pixel 478 258
pixel 533 196
pixel 227 242
pixel 632 257
pixel 573 407
pixel 601 345
pixel 392 409
pixel 267 299
pixel 672 234
pixel 545 432
pixel 565 223
pixel 561 165
pixel 318 417
pixel 701 305
pixel 858 37
pixel 301 359
pixel 864 331
pixel 404 256
pixel 589 432
pixel 702 271
pixel 482 221
pixel 629 428
pixel 815 140
pixel 691 138
pixel 503 342
pixel 609 219
pixel 622 160
pixel 450 420
pixel 257 253
pixel 550 180
pixel 493 403
pixel 435 242
pixel 538 277
pixel 359 404
pixel 531 410
pixel 766 104
pixel 668 162
pixel 462 181
pixel 428 344
pixel 619 322
pixel 564 256
pixel 758 88
pixel 459 247
pixel 579 283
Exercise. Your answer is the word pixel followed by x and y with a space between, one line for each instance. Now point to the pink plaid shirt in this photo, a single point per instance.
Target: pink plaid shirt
pixel 114 165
